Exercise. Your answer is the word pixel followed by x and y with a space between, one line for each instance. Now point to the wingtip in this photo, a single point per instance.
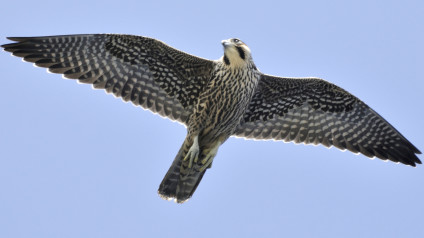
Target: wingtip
pixel 15 38
pixel 415 158
pixel 7 47
pixel 414 162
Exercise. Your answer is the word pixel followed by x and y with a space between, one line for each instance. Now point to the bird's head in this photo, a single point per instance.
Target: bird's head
pixel 236 53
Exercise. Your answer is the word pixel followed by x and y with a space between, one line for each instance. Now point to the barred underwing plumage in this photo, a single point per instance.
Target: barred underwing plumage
pixel 216 99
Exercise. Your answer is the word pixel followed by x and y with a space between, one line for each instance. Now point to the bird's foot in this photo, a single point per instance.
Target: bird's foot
pixel 193 153
pixel 207 161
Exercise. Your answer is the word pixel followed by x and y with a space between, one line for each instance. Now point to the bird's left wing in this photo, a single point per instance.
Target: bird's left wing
pixel 311 110
pixel 139 69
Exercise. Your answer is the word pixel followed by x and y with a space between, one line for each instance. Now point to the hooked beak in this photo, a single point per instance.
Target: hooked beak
pixel 226 43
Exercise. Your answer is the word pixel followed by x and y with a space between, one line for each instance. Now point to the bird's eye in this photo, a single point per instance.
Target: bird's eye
pixel 236 40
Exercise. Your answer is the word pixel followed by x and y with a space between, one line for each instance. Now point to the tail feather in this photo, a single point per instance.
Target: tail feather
pixel 180 182
pixel 168 187
pixel 188 183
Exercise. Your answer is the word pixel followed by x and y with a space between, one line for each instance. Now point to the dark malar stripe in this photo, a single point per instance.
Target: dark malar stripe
pixel 226 60
pixel 241 52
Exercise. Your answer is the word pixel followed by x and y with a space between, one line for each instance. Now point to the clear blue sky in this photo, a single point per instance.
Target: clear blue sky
pixel 75 162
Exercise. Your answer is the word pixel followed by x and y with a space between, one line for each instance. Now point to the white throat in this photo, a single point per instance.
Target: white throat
pixel 234 57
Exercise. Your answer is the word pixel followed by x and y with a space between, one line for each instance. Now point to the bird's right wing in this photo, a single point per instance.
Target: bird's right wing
pixel 312 110
pixel 142 70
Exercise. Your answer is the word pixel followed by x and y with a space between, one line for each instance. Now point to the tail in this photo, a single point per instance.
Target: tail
pixel 180 181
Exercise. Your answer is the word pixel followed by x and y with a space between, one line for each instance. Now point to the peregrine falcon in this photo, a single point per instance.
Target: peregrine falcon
pixel 216 99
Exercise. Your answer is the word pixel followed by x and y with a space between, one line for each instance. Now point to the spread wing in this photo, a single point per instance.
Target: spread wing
pixel 311 110
pixel 142 70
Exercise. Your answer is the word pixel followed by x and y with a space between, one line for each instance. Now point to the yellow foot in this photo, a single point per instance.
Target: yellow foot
pixel 193 153
pixel 207 161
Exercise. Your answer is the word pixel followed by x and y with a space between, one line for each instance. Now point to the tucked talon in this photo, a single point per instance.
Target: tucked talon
pixel 206 165
pixel 207 161
pixel 193 153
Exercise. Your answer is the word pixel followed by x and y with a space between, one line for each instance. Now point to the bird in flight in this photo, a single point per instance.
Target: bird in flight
pixel 216 99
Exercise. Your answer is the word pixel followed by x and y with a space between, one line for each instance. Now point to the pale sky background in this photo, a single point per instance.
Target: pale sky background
pixel 75 162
